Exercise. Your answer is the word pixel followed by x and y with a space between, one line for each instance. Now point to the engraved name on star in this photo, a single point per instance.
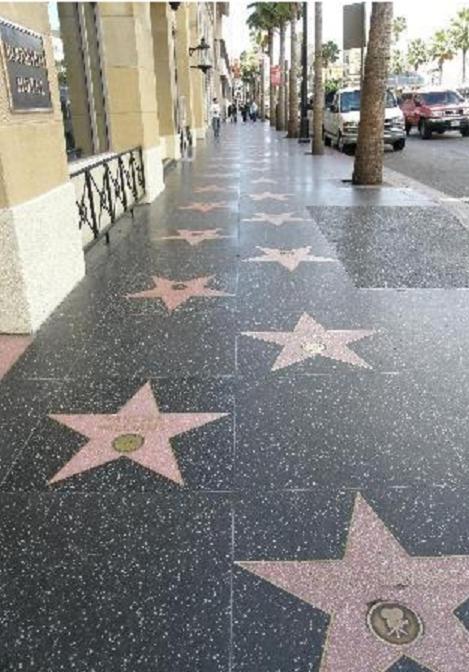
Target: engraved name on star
pixel 174 293
pixel 269 196
pixel 310 339
pixel 383 602
pixel 275 219
pixel 205 207
pixel 290 259
pixel 195 237
pixel 138 432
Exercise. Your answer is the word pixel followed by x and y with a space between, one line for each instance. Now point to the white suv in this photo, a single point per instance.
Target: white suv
pixel 342 116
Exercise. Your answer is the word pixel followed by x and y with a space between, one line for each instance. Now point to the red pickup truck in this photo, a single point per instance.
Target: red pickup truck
pixel 435 111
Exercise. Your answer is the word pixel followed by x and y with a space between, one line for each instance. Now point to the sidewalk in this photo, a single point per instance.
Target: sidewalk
pixel 268 370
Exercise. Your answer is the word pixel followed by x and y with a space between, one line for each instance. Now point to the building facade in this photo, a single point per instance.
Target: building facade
pixel 98 99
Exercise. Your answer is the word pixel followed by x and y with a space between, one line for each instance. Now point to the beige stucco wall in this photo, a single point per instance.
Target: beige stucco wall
pixel 42 164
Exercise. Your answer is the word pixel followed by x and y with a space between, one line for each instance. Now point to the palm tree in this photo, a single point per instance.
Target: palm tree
pixel 330 53
pixel 318 103
pixel 263 18
pixel 417 53
pixel 293 126
pixel 398 64
pixel 441 49
pixel 282 13
pixel 368 168
pixel 399 26
pixel 459 33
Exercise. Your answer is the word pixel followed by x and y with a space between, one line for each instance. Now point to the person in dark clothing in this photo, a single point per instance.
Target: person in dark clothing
pixel 245 112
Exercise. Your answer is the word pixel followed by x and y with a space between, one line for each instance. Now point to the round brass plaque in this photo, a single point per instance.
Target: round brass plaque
pixel 127 443
pixel 313 347
pixel 179 285
pixel 394 623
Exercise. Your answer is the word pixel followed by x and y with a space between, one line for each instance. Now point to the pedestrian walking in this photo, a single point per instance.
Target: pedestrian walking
pixel 215 113
pixel 234 112
pixel 245 111
pixel 253 111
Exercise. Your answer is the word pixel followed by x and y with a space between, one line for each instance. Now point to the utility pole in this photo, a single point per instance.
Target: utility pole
pixel 304 125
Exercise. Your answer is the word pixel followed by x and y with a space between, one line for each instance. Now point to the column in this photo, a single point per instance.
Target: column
pixel 183 68
pixel 162 21
pixel 41 256
pixel 129 74
pixel 197 76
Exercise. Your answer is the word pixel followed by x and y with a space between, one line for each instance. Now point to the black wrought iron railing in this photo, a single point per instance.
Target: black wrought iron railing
pixel 107 189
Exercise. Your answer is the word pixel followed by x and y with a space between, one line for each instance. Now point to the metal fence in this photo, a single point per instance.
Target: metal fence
pixel 107 189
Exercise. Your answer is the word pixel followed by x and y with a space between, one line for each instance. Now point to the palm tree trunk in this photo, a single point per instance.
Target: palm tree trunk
pixel 262 88
pixel 286 105
pixel 464 52
pixel 440 71
pixel 318 105
pixel 281 91
pixel 293 113
pixel 368 167
pixel 271 86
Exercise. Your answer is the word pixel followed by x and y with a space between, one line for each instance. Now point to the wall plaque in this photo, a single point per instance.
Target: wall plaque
pixel 25 67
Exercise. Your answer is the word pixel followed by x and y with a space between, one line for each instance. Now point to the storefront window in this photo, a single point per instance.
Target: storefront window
pixel 78 60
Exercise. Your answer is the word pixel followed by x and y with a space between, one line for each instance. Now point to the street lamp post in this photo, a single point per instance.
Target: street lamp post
pixel 304 125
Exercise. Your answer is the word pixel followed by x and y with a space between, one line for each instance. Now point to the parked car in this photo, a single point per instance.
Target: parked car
pixel 436 110
pixel 342 116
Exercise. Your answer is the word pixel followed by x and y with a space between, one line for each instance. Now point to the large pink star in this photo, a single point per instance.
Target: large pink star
pixel 269 196
pixel 139 431
pixel 212 188
pixel 205 207
pixel 376 569
pixel 174 293
pixel 310 339
pixel 11 349
pixel 276 220
pixel 195 237
pixel 290 259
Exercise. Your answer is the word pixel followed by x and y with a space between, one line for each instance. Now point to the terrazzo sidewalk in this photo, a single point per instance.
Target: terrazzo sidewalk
pixel 242 443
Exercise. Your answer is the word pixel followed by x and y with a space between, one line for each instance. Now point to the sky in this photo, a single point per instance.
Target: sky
pixel 424 17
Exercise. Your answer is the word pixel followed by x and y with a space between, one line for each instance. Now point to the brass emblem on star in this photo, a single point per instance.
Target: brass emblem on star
pixel 394 623
pixel 127 443
pixel 313 347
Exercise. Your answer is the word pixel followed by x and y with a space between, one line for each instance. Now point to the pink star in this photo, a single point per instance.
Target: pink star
pixel 263 180
pixel 290 259
pixel 212 188
pixel 205 207
pixel 221 175
pixel 269 196
pixel 11 349
pixel 276 220
pixel 310 339
pixel 139 432
pixel 195 237
pixel 376 569
pixel 174 293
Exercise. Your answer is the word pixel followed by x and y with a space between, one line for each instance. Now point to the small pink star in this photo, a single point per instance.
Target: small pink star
pixel 174 293
pixel 263 180
pixel 269 196
pixel 205 207
pixel 139 432
pixel 290 259
pixel 310 339
pixel 11 349
pixel 276 220
pixel 377 575
pixel 195 237
pixel 212 188
pixel 221 175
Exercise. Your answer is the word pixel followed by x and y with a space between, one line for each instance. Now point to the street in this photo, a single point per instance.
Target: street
pixel 441 163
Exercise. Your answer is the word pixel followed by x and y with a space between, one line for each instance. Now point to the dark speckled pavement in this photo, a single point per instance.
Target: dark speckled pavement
pixel 242 443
